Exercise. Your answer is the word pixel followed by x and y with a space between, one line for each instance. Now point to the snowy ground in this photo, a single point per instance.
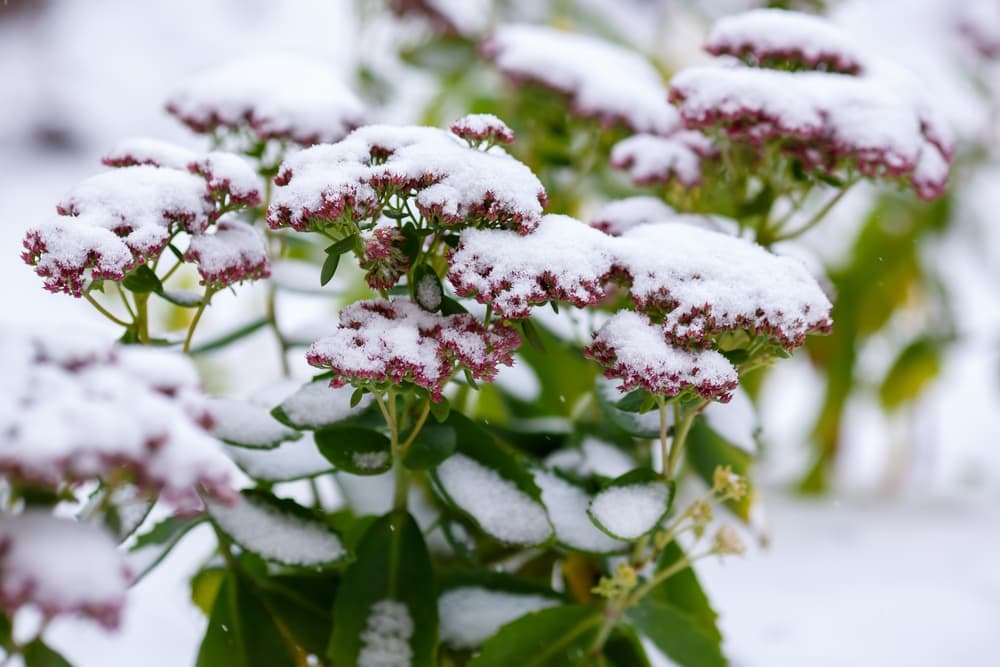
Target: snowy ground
pixel 911 581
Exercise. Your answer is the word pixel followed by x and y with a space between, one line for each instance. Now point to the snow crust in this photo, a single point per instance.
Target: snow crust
pixel 500 508
pixel 602 80
pixel 630 511
pixel 386 637
pixel 277 535
pixel 396 341
pixel 469 615
pixel 79 411
pixel 455 183
pixel 567 506
pixel 244 423
pixel 59 566
pixel 276 96
pixel 318 404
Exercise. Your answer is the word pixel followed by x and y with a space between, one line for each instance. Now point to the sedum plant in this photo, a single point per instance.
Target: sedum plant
pixel 508 452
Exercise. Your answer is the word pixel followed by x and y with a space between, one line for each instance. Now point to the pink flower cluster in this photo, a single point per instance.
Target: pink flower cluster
pixel 383 260
pixel 231 252
pixel 649 158
pixel 446 179
pixel 391 342
pixel 480 128
pixel 113 222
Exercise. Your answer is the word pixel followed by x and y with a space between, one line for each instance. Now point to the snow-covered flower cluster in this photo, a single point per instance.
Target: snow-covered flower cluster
pixel 383 343
pixel 114 222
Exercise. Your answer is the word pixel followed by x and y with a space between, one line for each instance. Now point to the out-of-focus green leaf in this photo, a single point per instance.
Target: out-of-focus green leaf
pixel 706 450
pixel 553 637
pixel 912 371
pixel 357 450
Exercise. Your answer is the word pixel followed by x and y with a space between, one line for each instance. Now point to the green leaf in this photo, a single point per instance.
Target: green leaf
pixel 676 634
pixel 305 538
pixel 433 444
pixel 341 246
pixel 531 335
pixel 392 578
pixel 143 281
pixel 357 450
pixel 613 509
pixel 356 396
pixel 683 591
pixel 330 265
pixel 37 654
pixel 912 371
pixel 638 400
pixel 632 422
pixel 205 587
pixel 451 307
pixel 440 409
pixel 624 649
pixel 553 637
pixel 304 603
pixel 706 449
pixel 152 546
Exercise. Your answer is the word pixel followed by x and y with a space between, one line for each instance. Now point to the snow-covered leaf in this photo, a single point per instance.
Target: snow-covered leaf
pixel 553 637
pixel 567 505
pixel 286 462
pixel 632 505
pixel 247 424
pixel 317 404
pixel 353 449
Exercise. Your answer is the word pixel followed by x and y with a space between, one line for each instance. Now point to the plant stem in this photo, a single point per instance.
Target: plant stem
pixel 197 317
pixel 104 311
pixel 815 220
pixel 142 317
pixel 664 457
pixel 681 428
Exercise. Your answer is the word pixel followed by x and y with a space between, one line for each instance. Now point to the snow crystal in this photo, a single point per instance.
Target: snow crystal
pixel 244 423
pixel 634 350
pixel 453 182
pixel 630 511
pixel 397 341
pixel 649 158
pixel 772 37
pixel 874 122
pixel 567 506
pixel 620 215
pixel 60 566
pixel 482 127
pixel 288 461
pixel 709 282
pixel 601 79
pixel 277 96
pixel 318 404
pixel 82 418
pixel 370 460
pixel 386 637
pixel 563 260
pixel 231 252
pixel 592 457
pixel 276 535
pixel 500 508
pixel 469 615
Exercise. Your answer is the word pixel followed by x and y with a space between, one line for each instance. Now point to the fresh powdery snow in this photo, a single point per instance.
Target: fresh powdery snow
pixel 601 79
pixel 616 217
pixel 452 181
pixel 80 412
pixel 631 511
pixel 469 615
pixel 60 566
pixel 567 505
pixel 277 535
pixel 633 349
pixel 766 36
pixel 592 457
pixel 288 461
pixel 649 158
pixel 482 127
pixel 563 260
pixel 247 424
pixel 500 508
pixel 385 641
pixel 233 251
pixel 277 96
pixel 317 404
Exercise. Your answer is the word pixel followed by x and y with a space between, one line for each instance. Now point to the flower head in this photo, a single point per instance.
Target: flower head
pixel 481 128
pixel 652 159
pixel 384 260
pixel 231 252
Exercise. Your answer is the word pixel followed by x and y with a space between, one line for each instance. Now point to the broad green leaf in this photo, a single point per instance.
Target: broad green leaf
pixel 143 281
pixel 152 546
pixel 632 505
pixel 357 450
pixel 637 400
pixel 915 367
pixel 304 603
pixel 317 405
pixel 683 591
pixel 279 530
pixel 205 587
pixel 676 634
pixel 639 425
pixel 329 268
pixel 37 654
pixel 624 649
pixel 387 595
pixel 433 444
pixel 554 637
pixel 705 450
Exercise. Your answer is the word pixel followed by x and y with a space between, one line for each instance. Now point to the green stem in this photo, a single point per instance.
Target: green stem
pixel 681 428
pixel 104 311
pixel 142 317
pixel 197 317
pixel 664 456
pixel 816 219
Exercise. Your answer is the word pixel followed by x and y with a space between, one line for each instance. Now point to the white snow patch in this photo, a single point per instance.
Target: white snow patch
pixel 469 615
pixel 318 404
pixel 567 506
pixel 288 461
pixel 592 457
pixel 386 637
pixel 247 424
pixel 630 511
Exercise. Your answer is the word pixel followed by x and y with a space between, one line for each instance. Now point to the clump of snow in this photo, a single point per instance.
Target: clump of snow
pixel 277 535
pixel 230 253
pixel 246 424
pixel 280 96
pixel 632 510
pixel 317 404
pixel 616 217
pixel 453 182
pixel 390 342
pixel 59 566
pixel 780 38
pixel 386 637
pixel 71 413
pixel 649 158
pixel 562 260
pixel 458 17
pixel 872 123
pixel 372 461
pixel 709 282
pixel 592 457
pixel 478 128
pixel 288 461
pixel 567 505
pixel 633 349
pixel 500 508
pixel 469 615
pixel 601 80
